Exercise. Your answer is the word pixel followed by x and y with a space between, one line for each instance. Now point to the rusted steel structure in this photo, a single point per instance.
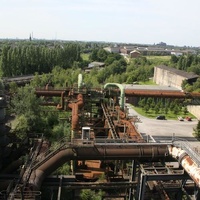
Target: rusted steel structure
pixel 75 106
pixel 92 151
pixel 102 131
pixel 160 93
pixel 190 166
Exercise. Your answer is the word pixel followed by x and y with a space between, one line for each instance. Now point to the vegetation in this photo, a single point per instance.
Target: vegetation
pixel 87 194
pixel 58 65
pixel 30 118
pixel 151 108
pixel 197 130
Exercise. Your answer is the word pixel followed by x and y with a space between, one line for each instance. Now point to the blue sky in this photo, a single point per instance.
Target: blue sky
pixel 175 22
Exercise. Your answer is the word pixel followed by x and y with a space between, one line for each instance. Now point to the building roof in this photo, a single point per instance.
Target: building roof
pixel 96 64
pixel 150 87
pixel 135 51
pixel 187 75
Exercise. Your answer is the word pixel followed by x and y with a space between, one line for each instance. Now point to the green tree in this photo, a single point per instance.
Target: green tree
pixel 166 109
pixel 156 109
pixel 142 102
pixel 176 109
pixel 87 194
pixel 26 107
pixel 185 110
pixel 146 108
pixel 149 101
pixel 174 59
pixel 93 56
pixel 102 55
pixel 197 130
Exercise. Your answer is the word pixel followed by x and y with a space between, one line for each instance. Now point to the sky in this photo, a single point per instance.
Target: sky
pixel 175 22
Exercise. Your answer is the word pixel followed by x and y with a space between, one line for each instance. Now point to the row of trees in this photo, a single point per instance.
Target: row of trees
pixel 163 105
pixel 29 59
pixel 189 63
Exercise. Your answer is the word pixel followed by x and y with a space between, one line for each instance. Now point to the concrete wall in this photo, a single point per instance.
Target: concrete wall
pixel 195 110
pixel 165 77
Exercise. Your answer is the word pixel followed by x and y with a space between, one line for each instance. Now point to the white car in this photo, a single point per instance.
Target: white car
pixel 180 118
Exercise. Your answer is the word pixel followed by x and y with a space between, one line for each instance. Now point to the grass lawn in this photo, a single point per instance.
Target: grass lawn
pixel 169 115
pixel 163 58
pixel 149 82
pixel 85 56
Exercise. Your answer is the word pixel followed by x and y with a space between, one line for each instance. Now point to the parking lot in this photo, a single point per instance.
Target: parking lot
pixel 165 128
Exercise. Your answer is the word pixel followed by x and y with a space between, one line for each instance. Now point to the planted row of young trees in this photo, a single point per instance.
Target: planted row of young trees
pixel 164 106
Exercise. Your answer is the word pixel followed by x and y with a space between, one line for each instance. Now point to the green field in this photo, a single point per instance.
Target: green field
pixel 163 58
pixel 85 56
pixel 149 82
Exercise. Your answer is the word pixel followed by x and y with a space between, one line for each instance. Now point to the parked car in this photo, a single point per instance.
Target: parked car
pixel 180 118
pixel 161 117
pixel 188 118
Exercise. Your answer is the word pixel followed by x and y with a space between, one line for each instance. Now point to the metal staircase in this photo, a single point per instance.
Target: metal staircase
pixel 110 122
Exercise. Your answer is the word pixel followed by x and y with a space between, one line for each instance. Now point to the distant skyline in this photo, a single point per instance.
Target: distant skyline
pixel 175 22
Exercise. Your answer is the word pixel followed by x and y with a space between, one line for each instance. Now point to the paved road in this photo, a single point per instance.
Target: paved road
pixel 165 129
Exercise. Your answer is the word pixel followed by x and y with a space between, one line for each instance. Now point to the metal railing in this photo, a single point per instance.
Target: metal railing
pixel 62 143
pixel 188 148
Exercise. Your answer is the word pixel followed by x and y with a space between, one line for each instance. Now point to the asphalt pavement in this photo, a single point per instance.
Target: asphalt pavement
pixel 165 129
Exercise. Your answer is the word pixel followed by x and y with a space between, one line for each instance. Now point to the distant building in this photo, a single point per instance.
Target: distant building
pixel 127 49
pixel 163 44
pixel 176 53
pixel 172 77
pixel 135 54
pixel 112 49
pixel 93 65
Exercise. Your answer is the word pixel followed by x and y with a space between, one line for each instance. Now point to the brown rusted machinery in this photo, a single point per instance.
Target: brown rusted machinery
pixel 102 133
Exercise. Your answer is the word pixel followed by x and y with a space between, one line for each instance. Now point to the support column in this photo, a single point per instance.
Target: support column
pixel 179 194
pixel 138 185
pixel 133 176
pixel 197 193
pixel 142 187
pixel 60 188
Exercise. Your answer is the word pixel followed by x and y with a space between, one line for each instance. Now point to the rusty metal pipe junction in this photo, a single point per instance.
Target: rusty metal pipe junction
pixel 97 152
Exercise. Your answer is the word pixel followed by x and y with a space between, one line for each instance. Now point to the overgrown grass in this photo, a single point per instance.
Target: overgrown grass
pixel 163 58
pixel 149 82
pixel 85 56
pixel 169 115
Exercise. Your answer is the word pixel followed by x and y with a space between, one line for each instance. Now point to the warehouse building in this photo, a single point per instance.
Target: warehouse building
pixel 172 77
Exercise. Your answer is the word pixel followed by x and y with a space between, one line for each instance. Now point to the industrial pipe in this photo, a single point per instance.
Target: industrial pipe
pixel 80 81
pixel 98 152
pixel 187 163
pixel 122 94
pixel 75 106
pixel 49 93
pixel 61 107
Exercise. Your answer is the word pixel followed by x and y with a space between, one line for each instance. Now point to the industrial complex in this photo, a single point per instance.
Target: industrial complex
pixel 105 150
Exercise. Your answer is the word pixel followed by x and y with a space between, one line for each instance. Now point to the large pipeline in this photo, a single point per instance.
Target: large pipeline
pixel 49 93
pixel 159 93
pixel 187 163
pixel 98 152
pixel 122 95
pixel 75 106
